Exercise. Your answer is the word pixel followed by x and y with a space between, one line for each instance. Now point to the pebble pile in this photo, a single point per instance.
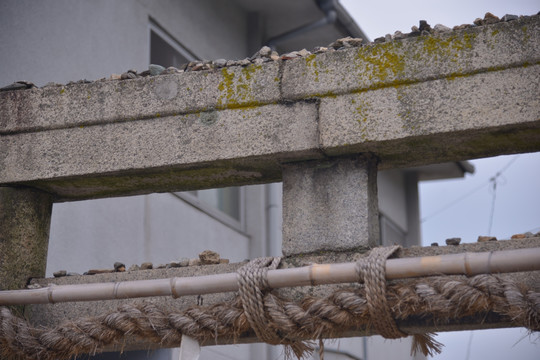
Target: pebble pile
pixel 456 240
pixel 207 257
pixel 266 54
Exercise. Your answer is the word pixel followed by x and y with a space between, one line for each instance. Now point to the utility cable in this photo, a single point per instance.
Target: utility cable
pixel 492 180
pixel 492 212
pixel 452 203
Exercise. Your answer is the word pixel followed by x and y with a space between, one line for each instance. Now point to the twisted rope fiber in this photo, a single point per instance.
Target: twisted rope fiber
pixel 252 281
pixel 439 299
pixel 252 284
pixel 372 270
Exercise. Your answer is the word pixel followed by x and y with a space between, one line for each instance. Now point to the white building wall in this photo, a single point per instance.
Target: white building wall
pixel 158 228
pixel 392 199
pixel 210 29
pixel 379 348
pixel 68 40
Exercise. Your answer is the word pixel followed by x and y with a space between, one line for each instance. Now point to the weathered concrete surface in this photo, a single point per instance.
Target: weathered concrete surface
pixel 51 315
pixel 25 217
pixel 103 102
pixel 220 143
pixel 438 119
pixel 416 59
pixel 431 99
pixel 330 205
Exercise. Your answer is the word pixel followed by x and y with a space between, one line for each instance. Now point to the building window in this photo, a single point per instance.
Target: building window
pixel 226 200
pixel 165 50
pixel 225 205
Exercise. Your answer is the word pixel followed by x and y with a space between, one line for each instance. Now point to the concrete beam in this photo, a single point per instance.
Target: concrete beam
pixel 52 315
pixel 183 152
pixel 25 218
pixel 330 205
pixel 443 97
pixel 440 120
pixel 416 59
pixel 102 102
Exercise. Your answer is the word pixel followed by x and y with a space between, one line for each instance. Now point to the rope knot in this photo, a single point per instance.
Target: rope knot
pixel 372 271
pixel 253 287
pixel 252 282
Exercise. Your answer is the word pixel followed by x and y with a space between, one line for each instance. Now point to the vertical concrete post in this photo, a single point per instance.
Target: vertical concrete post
pixel 330 205
pixel 25 217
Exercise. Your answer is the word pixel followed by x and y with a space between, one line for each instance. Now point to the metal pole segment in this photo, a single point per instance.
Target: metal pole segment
pixel 317 274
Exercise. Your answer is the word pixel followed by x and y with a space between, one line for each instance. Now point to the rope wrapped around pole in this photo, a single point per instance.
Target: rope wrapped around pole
pixel 373 273
pixel 440 299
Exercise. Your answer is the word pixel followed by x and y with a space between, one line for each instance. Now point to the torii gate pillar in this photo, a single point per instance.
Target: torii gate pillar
pixel 25 218
pixel 330 205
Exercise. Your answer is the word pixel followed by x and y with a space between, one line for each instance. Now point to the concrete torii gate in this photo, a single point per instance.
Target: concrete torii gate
pixel 324 124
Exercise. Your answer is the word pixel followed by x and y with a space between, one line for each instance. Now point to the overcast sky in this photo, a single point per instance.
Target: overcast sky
pixel 463 207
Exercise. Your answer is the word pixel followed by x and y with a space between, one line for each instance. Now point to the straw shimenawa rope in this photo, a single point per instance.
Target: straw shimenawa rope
pixel 252 284
pixel 437 299
pixel 372 270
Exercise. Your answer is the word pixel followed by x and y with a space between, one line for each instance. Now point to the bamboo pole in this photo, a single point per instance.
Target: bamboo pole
pixel 317 274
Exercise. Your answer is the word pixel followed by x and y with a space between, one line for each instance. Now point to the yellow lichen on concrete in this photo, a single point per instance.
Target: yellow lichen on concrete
pixel 389 63
pixel 361 111
pixel 235 88
pixel 381 63
pixel 313 64
pixel 448 47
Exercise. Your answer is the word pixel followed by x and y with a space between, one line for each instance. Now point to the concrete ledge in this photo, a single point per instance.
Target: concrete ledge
pixel 51 315
pixel 436 121
pixel 447 54
pixel 244 144
pixel 55 107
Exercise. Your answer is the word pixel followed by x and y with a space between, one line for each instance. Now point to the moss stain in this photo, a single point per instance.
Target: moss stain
pixel 362 110
pixel 236 88
pixel 313 65
pixel 381 63
pixel 450 47
pixel 385 64
pixel 526 35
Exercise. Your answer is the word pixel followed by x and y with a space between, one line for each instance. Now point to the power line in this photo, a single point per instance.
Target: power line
pixel 492 180
pixel 492 212
pixel 452 203
pixel 507 165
